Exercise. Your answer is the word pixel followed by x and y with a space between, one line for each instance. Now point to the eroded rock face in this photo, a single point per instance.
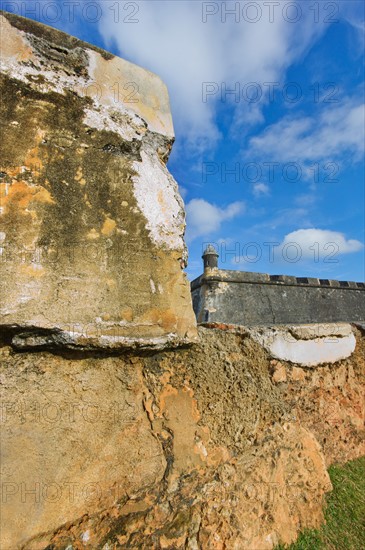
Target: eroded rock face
pixel 329 401
pixel 92 222
pixel 190 448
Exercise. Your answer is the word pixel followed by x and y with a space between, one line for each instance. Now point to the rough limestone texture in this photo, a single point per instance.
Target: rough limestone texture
pixel 219 446
pixel 92 222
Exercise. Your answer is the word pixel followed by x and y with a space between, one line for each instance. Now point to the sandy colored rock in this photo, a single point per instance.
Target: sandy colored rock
pixel 298 374
pixel 329 401
pixel 79 425
pixel 279 374
pixel 92 222
pixel 183 448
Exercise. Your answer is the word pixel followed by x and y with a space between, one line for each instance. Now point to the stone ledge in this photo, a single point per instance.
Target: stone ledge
pixel 231 276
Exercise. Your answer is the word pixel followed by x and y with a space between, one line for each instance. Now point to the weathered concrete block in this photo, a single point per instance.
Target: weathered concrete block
pixel 92 222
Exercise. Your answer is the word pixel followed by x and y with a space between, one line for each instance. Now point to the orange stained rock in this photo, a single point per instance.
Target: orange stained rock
pixel 22 195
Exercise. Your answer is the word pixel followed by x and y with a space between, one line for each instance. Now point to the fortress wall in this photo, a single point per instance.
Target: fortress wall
pixel 242 298
pixel 91 221
pixel 220 442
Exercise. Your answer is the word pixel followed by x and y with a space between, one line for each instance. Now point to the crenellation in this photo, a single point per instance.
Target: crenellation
pixel 352 284
pixel 289 279
pixel 314 281
pixel 261 299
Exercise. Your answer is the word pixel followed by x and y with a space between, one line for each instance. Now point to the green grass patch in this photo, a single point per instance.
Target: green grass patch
pixel 344 513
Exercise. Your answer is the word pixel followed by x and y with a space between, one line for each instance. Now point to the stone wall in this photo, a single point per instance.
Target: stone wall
pixel 244 298
pixel 122 425
pixel 92 223
pixel 221 445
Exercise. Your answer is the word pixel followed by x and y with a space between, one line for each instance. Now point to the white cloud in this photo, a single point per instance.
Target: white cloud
pixel 338 130
pixel 261 189
pixel 171 40
pixel 204 218
pixel 319 243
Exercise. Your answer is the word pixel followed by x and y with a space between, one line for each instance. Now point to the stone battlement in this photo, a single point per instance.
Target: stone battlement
pixel 264 278
pixel 245 298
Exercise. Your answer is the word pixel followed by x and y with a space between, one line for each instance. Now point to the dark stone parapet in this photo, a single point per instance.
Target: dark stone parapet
pixel 246 298
pixel 231 276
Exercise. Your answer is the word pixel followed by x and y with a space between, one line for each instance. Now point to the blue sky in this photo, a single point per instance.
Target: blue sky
pixel 268 105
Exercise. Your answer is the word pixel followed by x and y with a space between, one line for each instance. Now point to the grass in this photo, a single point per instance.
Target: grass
pixel 344 513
